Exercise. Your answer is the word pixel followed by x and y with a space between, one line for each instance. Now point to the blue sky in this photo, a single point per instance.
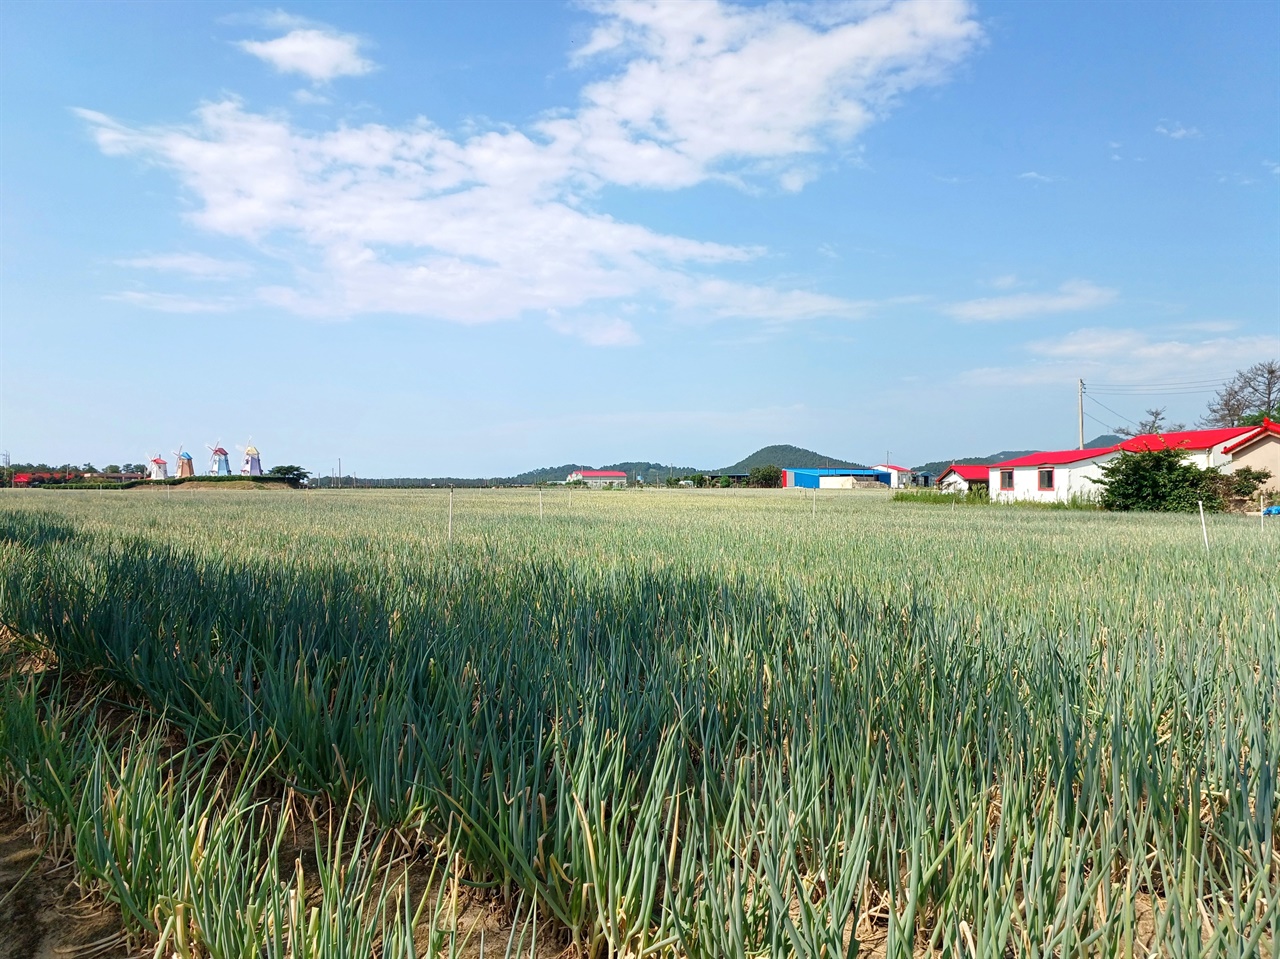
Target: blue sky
pixel 472 239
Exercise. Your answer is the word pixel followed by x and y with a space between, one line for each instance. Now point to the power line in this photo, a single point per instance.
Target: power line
pixel 1101 423
pixel 1168 387
pixel 1199 380
pixel 1161 392
pixel 1113 412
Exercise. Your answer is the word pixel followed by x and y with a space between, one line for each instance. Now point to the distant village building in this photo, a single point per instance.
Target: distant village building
pixel 598 479
pixel 835 477
pixel 899 476
pixel 958 478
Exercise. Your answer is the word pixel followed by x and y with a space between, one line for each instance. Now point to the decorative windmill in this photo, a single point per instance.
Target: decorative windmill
pixel 158 468
pixel 219 460
pixel 186 466
pixel 252 465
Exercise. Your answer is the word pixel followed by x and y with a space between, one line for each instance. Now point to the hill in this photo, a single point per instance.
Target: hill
pixel 795 457
pixel 1106 439
pixel 649 472
pixel 937 466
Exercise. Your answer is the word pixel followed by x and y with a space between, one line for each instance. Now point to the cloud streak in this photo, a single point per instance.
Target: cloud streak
pixel 1072 296
pixel 503 223
pixel 1125 356
pixel 190 264
pixel 170 302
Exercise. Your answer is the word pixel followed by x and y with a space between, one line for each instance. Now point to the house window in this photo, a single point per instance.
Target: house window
pixel 1046 478
pixel 1006 479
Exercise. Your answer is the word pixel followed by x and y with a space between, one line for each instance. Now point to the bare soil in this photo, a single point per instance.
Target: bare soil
pixel 41 911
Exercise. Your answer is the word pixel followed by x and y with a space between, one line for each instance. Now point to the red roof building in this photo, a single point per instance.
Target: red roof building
pixel 1190 440
pixel 598 478
pixel 1255 433
pixel 1258 449
pixel 959 477
pixel 1054 458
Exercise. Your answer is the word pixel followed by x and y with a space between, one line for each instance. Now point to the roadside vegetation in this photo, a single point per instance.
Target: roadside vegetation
pixel 687 724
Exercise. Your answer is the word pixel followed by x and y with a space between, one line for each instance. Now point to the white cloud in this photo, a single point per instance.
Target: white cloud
pixel 713 89
pixel 170 302
pixel 503 222
pixel 1176 131
pixel 314 51
pixel 595 330
pixel 1035 177
pixel 1070 297
pixel 191 264
pixel 1126 356
pixel 1273 166
pixel 1006 282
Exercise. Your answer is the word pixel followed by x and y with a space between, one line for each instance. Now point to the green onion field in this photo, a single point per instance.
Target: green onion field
pixel 683 723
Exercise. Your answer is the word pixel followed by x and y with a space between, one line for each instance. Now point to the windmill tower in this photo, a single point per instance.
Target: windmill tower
pixel 219 460
pixel 252 465
pixel 186 466
pixel 158 469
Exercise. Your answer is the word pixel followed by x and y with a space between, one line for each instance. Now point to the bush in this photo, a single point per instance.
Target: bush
pixel 1163 481
pixel 1243 484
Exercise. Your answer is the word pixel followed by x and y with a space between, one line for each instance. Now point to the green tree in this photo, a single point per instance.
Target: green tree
pixel 765 477
pixel 294 473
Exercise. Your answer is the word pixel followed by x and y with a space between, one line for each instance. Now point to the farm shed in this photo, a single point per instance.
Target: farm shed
pixel 598 479
pixel 958 478
pixel 833 478
pixel 1258 449
pixel 1049 477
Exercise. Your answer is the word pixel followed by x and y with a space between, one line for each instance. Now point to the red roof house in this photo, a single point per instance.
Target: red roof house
pixel 962 476
pixel 1258 449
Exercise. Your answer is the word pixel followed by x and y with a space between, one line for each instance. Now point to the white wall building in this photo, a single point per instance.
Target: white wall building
pixel 960 479
pixel 1049 477
pixel 598 479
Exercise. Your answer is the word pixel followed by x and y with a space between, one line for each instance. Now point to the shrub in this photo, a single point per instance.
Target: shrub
pixel 1160 481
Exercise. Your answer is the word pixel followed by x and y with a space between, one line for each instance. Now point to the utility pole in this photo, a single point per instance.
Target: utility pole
pixel 339 472
pixel 1080 408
